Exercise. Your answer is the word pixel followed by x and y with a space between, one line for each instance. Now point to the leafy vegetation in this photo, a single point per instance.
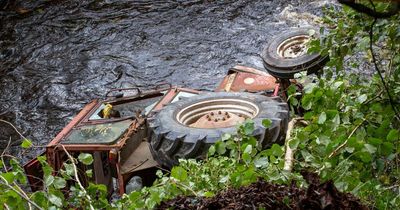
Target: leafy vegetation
pixel 234 161
pixel 351 136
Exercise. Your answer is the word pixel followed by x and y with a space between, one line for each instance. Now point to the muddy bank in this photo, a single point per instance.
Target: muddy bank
pixel 55 56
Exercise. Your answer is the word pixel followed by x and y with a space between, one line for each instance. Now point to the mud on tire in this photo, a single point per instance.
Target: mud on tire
pixel 171 140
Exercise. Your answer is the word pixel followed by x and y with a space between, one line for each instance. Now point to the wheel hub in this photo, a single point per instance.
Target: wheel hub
pixel 293 47
pixel 218 119
pixel 217 113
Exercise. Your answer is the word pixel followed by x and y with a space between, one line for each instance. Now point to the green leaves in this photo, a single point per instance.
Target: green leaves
pixel 55 200
pixel 248 127
pixel 85 158
pixel 59 183
pixel 371 149
pixel 266 123
pixel 322 118
pixel 362 98
pixel 26 143
pixel 179 173
pixel 261 162
pixel 393 135
pixel 48 180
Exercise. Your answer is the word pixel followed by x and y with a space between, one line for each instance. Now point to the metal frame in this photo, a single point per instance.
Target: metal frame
pixel 55 149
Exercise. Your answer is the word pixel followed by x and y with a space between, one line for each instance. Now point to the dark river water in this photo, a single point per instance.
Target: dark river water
pixel 55 56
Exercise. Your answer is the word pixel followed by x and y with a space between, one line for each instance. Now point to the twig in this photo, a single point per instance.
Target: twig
pixel 289 152
pixel 4 152
pixel 187 188
pixel 345 142
pixel 373 98
pixel 77 177
pixel 23 195
pixel 4 121
pixel 371 36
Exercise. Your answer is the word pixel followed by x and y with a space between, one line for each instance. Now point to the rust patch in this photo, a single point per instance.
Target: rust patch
pixel 241 78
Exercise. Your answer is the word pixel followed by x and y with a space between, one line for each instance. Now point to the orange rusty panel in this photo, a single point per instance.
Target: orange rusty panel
pixel 253 82
pixel 242 78
pixel 244 81
pixel 225 85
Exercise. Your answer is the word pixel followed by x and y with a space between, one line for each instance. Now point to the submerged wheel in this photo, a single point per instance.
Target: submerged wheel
pixel 187 128
pixel 286 54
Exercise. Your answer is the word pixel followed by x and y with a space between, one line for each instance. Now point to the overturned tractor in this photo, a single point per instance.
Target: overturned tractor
pixel 133 132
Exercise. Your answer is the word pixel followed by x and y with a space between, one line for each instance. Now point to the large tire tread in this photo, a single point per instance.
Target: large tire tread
pixel 170 141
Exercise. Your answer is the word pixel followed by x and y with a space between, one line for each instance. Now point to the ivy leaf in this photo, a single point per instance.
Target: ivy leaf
pixel 85 158
pixel 208 194
pixel 387 148
pixel 266 123
pixel 55 200
pixel 277 150
pixel 336 85
pixel 362 98
pixel 69 169
pixel 9 176
pixel 211 150
pixel 246 157
pixel 248 127
pixel 224 179
pixel 371 149
pixel 26 143
pixel 135 195
pixel 322 118
pixel 220 147
pixel 226 137
pixel 248 149
pixel 365 157
pixel 89 173
pixel 261 162
pixel 59 183
pixel 48 180
pixel 179 173
pixel 336 120
pixel 392 135
pixel 39 197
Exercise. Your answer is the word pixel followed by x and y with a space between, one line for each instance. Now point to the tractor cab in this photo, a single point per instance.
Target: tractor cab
pixel 113 131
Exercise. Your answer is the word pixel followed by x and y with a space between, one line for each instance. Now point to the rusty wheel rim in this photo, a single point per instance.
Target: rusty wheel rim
pixel 217 113
pixel 293 47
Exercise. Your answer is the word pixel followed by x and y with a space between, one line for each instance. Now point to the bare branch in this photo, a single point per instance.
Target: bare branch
pixel 4 121
pixel 345 142
pixel 289 152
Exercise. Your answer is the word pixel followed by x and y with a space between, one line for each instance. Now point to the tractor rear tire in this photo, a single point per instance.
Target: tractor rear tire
pixel 170 139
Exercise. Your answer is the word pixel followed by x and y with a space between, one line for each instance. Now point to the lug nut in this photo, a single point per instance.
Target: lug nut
pixel 219 112
pixel 209 119
pixel 228 116
pixel 216 120
pixel 212 113
pixel 223 119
